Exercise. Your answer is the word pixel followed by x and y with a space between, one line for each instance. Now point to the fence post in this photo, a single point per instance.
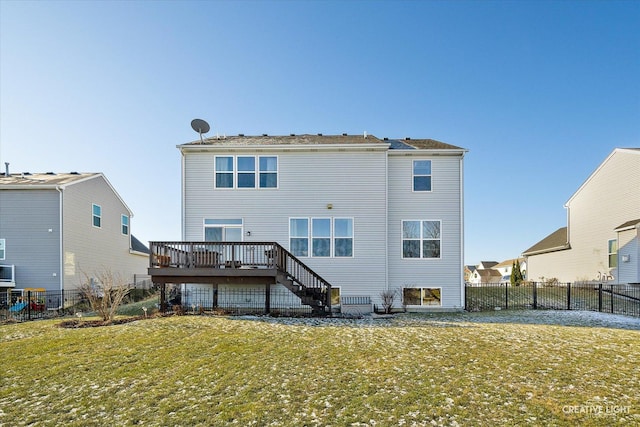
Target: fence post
pixel 535 295
pixel 506 297
pixel 600 297
pixel 611 286
pixel 29 305
pixel 267 299
pixel 569 296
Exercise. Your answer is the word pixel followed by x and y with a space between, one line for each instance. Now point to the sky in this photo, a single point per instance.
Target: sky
pixel 538 92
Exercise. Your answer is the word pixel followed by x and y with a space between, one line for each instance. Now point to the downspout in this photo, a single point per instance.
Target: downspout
pixel 60 236
pixel 182 197
pixel 462 286
pixel 386 218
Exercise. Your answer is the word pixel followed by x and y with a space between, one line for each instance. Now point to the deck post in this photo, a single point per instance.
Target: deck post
pixel 163 298
pixel 267 298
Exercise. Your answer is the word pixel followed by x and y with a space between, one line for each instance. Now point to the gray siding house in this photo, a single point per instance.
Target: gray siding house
pixel 369 215
pixel 601 239
pixel 55 228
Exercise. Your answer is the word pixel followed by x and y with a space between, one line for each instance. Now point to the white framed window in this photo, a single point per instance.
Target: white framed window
pixel 321 237
pixel 422 175
pixel 125 225
pixel 96 211
pixel 343 237
pixel 268 171
pixel 421 239
pixel 423 297
pixel 613 253
pixel 223 230
pixel 299 236
pixel 224 172
pixel 3 249
pixel 246 172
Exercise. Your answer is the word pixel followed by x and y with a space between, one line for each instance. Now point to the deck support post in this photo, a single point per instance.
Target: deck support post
pixel 163 298
pixel 267 298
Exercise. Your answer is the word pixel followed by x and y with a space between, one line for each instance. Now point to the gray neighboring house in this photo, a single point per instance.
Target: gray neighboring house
pixel 601 241
pixel 55 227
pixel 369 215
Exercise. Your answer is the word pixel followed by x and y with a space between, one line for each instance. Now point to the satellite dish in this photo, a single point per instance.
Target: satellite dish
pixel 200 126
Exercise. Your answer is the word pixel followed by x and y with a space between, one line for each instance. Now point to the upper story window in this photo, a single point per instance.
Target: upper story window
pixel 97 215
pixel 125 225
pixel 240 172
pixel 325 237
pixel 268 172
pixel 422 175
pixel 421 239
pixel 613 253
pixel 3 250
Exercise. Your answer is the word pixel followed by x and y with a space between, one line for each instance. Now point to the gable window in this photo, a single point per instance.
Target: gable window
pixel 246 172
pixel 613 253
pixel 2 249
pixel 422 296
pixel 224 171
pixel 343 237
pixel 125 225
pixel 299 236
pixel 422 175
pixel 268 172
pixel 421 239
pixel 97 215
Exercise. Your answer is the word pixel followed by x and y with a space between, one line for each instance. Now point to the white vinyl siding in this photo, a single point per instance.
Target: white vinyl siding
pixel 308 184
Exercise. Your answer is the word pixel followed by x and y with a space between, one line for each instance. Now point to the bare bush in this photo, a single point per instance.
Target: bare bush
pixel 387 298
pixel 105 292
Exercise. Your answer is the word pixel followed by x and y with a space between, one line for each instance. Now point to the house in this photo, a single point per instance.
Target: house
pixel 58 228
pixel 485 273
pixel 506 267
pixel 600 241
pixel 468 271
pixel 365 215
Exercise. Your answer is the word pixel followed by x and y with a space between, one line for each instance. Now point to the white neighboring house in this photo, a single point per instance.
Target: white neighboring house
pixel 369 215
pixel 601 239
pixel 506 267
pixel 485 273
pixel 55 227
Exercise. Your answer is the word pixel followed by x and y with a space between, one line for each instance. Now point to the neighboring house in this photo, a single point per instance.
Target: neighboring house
pixel 57 228
pixel 468 271
pixel 506 267
pixel 368 215
pixel 600 241
pixel 485 273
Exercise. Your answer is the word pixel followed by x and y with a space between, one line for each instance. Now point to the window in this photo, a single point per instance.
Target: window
pixel 421 239
pixel 125 225
pixel 335 296
pixel 343 237
pixel 321 237
pixel 224 172
pixel 240 172
pixel 246 172
pixel 3 251
pixel 268 172
pixel 422 296
pixel 422 175
pixel 613 253
pixel 299 236
pixel 97 215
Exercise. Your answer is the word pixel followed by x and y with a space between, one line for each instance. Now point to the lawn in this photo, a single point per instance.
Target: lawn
pixel 469 369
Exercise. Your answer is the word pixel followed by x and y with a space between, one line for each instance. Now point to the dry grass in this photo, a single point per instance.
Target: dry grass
pixel 411 370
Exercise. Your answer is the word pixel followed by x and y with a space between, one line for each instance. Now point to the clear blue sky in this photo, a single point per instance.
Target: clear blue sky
pixel 539 92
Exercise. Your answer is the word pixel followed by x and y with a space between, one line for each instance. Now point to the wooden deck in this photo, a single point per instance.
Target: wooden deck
pixel 237 263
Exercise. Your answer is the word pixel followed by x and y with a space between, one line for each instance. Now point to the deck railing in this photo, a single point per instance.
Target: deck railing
pixel 235 255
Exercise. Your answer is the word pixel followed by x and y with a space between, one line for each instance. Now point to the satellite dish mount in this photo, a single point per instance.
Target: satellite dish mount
pixel 201 127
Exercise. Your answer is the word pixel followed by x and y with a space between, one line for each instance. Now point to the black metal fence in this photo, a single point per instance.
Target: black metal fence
pixel 26 304
pixel 235 301
pixel 602 297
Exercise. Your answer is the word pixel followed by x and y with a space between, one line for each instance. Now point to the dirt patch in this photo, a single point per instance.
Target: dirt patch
pixel 77 323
